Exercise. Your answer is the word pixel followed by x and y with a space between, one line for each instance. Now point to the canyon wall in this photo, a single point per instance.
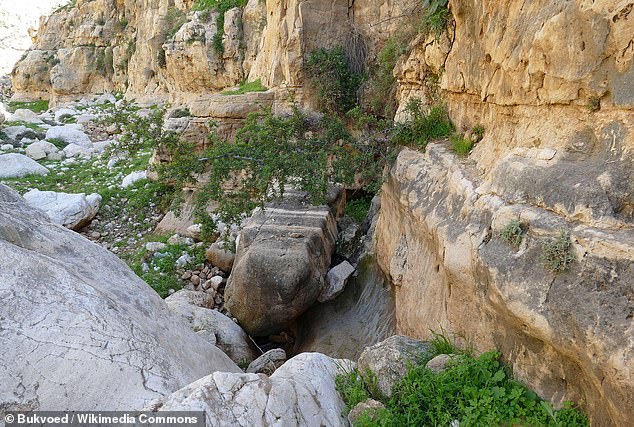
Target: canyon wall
pixel 551 82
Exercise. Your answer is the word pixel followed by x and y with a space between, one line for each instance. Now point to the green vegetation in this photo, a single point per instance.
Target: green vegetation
pixel 460 145
pixel 513 233
pixel 594 104
pixel 381 89
pixel 35 106
pixel 478 132
pixel 556 253
pixel 67 6
pixel 59 143
pixel 476 391
pixel 161 270
pixel 424 124
pixel 247 87
pixel 330 75
pixel 436 17
pixel 220 6
pixel 358 209
pixel 174 19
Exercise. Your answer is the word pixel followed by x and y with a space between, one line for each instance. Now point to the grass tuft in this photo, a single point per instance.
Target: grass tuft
pixel 247 87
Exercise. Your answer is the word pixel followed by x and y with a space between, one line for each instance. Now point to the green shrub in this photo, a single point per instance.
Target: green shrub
pixel 358 209
pixel 423 125
pixel 513 233
pixel 336 85
pixel 352 388
pixel 556 253
pixel 436 17
pixel 478 132
pixel 460 145
pixel 247 87
pixel 594 104
pixel 59 143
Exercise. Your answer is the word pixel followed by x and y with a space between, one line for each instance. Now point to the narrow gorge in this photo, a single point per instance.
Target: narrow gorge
pixel 334 204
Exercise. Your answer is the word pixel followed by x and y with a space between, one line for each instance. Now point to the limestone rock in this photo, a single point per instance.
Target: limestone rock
pixel 220 257
pixel 133 177
pixel 24 115
pixel 223 331
pixel 64 323
pixel 268 362
pixel 70 210
pixel 336 281
pixel 74 150
pixel 18 133
pixel 198 299
pixel 39 150
pixel 70 135
pixel 367 408
pixel 282 257
pixel 388 362
pixel 437 237
pixel 300 392
pixel 14 165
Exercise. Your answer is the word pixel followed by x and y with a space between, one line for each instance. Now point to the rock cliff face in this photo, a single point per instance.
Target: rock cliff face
pixel 552 83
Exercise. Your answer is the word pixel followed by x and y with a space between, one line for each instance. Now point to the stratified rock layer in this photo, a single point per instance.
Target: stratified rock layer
pixel 79 329
pixel 568 334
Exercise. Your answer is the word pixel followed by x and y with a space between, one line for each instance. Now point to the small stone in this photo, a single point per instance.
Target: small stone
pixel 211 292
pixel 186 275
pixel 296 235
pixel 440 362
pixel 215 282
pixel 95 234
pixel 155 246
pixel 171 291
pixel 195 280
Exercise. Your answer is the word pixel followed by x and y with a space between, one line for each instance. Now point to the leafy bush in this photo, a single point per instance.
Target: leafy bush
pixel 352 388
pixel 423 125
pixel 460 145
pixel 436 16
pixel 336 85
pixel 556 253
pixel 382 86
pixel 247 87
pixel 358 209
pixel 476 391
pixel 513 233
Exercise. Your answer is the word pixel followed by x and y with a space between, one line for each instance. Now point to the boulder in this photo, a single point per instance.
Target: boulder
pixel 70 210
pixel 65 113
pixel 18 133
pixel 25 115
pixel 388 361
pixel 199 299
pixel 301 392
pixel 74 150
pixel 40 150
pixel 14 165
pixel 336 280
pixel 79 328
pixel 282 258
pixel 220 257
pixel 268 362
pixel 366 408
pixel 216 328
pixel 69 134
pixel 133 177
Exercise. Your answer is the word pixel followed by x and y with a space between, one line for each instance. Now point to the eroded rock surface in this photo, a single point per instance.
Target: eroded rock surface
pixel 280 266
pixel 79 328
pixel 300 393
pixel 438 238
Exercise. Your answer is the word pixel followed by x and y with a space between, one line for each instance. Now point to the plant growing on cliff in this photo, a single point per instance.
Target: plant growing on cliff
pixel 222 7
pixel 423 124
pixel 330 75
pixel 436 17
pixel 556 253
pixel 513 233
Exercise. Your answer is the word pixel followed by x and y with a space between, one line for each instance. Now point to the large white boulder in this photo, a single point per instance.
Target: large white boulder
pixel 133 177
pixel 301 392
pixel 79 329
pixel 70 210
pixel 74 150
pixel 39 150
pixel 69 134
pixel 14 165
pixel 25 115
